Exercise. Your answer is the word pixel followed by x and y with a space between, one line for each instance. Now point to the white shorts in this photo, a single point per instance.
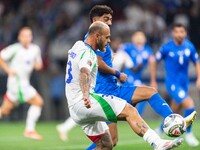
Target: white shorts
pixel 103 108
pixel 20 94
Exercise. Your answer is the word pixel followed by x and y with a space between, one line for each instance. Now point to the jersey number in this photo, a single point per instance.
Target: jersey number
pixel 70 77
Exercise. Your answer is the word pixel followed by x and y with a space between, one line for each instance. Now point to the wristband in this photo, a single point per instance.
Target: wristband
pixel 117 73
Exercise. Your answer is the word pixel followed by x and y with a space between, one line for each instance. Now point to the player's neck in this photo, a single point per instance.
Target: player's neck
pixel 178 42
pixel 91 43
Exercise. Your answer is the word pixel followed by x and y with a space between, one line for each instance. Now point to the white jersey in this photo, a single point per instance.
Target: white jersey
pixel 21 60
pixel 81 55
pixel 122 59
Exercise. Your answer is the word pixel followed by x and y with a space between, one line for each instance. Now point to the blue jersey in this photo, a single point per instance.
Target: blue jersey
pixel 176 59
pixel 138 57
pixel 107 83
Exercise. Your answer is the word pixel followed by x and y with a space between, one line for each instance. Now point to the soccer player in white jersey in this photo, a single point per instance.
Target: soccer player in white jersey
pixel 18 61
pixel 91 110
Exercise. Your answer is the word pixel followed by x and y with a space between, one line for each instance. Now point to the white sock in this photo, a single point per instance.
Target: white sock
pixel 68 125
pixel 151 137
pixel 33 115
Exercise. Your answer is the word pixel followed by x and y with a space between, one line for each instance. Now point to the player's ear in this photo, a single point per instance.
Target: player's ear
pixel 94 19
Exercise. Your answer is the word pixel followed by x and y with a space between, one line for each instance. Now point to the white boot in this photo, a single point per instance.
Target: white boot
pixel 168 144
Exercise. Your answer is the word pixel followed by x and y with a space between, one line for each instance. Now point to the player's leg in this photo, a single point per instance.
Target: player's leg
pixel 140 127
pixel 34 112
pixel 175 107
pixel 105 143
pixel 6 107
pixel 64 128
pixel 137 94
pixel 117 109
pixel 188 105
pixel 113 133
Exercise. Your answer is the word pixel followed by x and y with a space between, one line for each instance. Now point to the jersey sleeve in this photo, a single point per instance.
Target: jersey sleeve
pixel 128 61
pixel 38 56
pixel 161 54
pixel 194 55
pixel 8 53
pixel 86 60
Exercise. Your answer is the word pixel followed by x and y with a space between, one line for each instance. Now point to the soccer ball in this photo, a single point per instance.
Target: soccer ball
pixel 174 125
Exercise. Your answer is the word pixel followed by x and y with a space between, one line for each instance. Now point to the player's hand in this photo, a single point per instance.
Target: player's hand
pixel 154 84
pixel 123 77
pixel 198 83
pixel 11 73
pixel 86 101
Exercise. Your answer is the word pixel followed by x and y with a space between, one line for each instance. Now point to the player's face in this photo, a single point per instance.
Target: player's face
pixel 25 37
pixel 103 40
pixel 179 33
pixel 106 18
pixel 139 39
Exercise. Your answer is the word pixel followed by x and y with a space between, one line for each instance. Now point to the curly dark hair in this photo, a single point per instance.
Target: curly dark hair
pixel 100 10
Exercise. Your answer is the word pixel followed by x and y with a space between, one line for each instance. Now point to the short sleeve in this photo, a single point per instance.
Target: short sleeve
pixel 8 53
pixel 128 61
pixel 161 54
pixel 194 55
pixel 86 60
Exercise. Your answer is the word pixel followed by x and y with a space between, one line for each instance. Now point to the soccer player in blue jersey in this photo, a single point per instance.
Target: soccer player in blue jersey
pixel 177 54
pixel 141 55
pixel 106 82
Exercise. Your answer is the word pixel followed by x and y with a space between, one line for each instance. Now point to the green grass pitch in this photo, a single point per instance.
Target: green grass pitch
pixel 11 138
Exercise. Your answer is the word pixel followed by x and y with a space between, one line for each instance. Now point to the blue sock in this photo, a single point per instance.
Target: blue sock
pixel 160 106
pixel 186 113
pixel 91 147
pixel 141 107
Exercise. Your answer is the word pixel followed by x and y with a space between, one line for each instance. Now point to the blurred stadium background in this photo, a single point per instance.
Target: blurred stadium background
pixel 57 24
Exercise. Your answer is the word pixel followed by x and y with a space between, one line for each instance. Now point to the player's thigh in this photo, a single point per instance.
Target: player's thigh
pixel 187 103
pixel 126 92
pixel 143 93
pixel 6 107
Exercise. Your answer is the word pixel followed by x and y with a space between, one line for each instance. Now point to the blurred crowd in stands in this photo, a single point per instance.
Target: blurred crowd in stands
pixel 57 24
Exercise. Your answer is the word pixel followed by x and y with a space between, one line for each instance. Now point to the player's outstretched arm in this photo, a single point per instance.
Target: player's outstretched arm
pixel 197 67
pixel 85 85
pixel 153 68
pixel 104 68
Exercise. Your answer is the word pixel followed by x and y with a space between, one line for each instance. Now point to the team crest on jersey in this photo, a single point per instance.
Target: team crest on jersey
pixel 89 62
pixel 171 54
pixel 187 52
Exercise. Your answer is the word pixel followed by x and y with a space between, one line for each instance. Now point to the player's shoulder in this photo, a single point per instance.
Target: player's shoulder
pixel 168 45
pixel 34 46
pixel 13 46
pixel 188 43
